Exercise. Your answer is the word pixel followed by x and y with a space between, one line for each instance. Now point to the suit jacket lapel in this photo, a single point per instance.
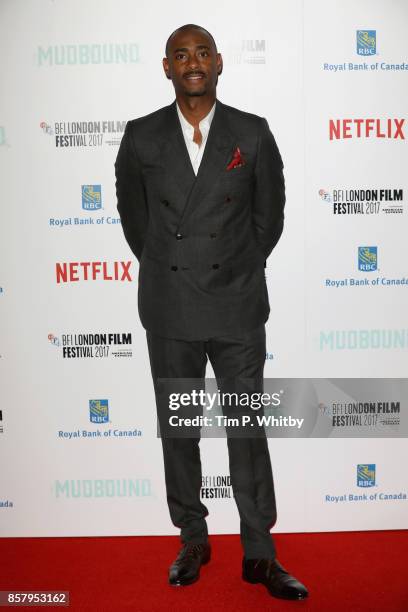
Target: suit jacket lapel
pixel 175 158
pixel 217 153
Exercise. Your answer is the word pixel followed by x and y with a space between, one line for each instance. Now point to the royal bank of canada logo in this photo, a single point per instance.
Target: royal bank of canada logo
pixel 91 197
pixel 366 42
pixel 367 258
pixel 99 411
pixel 367 52
pixel 366 479
pixel 366 475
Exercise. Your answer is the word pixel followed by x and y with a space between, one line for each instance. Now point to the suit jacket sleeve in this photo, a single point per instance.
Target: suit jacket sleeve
pixel 269 196
pixel 130 193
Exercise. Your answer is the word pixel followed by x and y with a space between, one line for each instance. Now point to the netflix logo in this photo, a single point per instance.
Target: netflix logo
pixel 366 128
pixel 92 270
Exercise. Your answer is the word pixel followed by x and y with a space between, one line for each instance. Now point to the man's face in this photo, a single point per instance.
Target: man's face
pixel 192 63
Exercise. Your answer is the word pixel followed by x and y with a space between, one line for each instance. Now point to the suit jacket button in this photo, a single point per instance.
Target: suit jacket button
pixel 174 268
pixel 179 236
pixel 228 199
pixel 165 202
pixel 213 235
pixel 216 266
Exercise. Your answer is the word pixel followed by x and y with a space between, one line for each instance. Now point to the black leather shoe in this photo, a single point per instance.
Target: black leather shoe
pixel 186 568
pixel 276 579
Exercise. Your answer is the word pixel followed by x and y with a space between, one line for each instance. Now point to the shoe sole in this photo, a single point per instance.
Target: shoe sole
pixel 181 583
pixel 253 581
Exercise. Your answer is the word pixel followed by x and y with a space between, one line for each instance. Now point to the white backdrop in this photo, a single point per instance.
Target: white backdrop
pixel 70 66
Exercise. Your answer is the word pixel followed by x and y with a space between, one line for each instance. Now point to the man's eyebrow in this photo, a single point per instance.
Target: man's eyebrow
pixel 185 48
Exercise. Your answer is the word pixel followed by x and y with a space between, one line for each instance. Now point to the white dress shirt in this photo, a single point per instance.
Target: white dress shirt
pixel 194 150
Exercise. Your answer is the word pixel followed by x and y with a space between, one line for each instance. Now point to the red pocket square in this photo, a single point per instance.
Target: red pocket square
pixel 237 160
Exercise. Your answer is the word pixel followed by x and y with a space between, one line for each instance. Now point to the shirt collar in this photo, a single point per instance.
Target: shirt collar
pixel 204 124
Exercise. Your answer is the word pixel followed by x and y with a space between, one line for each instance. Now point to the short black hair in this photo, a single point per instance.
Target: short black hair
pixel 189 26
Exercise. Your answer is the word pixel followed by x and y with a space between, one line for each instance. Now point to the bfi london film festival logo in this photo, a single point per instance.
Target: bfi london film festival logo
pixel 91 201
pixel 364 415
pixel 216 487
pixel 85 134
pixel 251 51
pixel 92 345
pixel 363 200
pixel 366 50
pixel 46 128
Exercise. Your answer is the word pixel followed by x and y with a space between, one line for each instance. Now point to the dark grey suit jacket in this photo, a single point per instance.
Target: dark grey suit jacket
pixel 202 242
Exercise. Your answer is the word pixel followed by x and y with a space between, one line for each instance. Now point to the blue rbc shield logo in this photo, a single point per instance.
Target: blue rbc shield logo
pixel 366 475
pixel 91 197
pixel 366 42
pixel 367 259
pixel 99 411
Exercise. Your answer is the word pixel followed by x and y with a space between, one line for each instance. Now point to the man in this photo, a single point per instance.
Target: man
pixel 201 194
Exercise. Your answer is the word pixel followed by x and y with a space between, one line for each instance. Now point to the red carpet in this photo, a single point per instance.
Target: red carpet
pixel 343 571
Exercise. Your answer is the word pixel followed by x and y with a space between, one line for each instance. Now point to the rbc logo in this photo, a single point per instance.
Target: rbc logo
pixel 91 197
pixel 367 259
pixel 366 42
pixel 99 411
pixel 366 475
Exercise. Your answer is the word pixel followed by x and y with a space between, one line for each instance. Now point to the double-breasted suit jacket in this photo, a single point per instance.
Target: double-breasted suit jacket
pixel 201 241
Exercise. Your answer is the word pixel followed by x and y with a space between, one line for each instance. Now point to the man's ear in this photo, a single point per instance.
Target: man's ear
pixel 166 67
pixel 219 64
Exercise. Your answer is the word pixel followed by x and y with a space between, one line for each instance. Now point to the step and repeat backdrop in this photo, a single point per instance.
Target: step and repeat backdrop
pixel 78 443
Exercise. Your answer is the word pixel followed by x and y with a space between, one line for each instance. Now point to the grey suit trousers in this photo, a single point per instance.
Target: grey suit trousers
pixel 231 357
